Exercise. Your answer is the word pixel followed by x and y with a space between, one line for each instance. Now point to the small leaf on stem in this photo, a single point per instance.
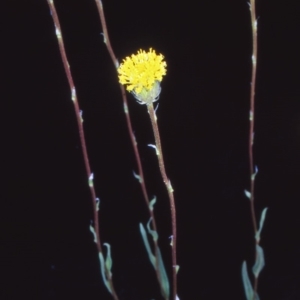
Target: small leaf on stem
pixel 248 194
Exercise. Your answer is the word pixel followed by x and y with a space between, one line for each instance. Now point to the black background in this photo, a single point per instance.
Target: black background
pixel 47 248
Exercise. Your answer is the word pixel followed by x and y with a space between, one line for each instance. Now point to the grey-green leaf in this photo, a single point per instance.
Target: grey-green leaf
pixel 164 284
pixel 102 268
pixel 152 232
pixel 261 224
pixel 247 284
pixel 91 178
pixel 164 281
pixel 260 261
pixel 138 177
pixel 254 174
pixel 248 194
pixel 152 202
pixel 147 246
pixel 92 230
pixel 246 281
pixel 108 259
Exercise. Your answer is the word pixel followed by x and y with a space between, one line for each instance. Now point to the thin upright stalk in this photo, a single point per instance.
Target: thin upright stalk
pixel 130 131
pixel 81 132
pixel 251 130
pixel 170 190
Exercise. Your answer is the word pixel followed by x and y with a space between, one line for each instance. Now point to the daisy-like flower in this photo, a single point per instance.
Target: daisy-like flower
pixel 142 74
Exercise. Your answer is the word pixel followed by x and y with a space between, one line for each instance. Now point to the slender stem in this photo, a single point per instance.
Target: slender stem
pixel 131 134
pixel 251 130
pixel 170 190
pixel 130 130
pixel 251 117
pixel 80 129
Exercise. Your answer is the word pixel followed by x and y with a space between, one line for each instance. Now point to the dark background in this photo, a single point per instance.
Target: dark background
pixel 47 248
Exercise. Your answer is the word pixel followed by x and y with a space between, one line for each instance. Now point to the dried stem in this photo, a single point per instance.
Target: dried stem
pixel 81 131
pixel 131 134
pixel 167 182
pixel 251 130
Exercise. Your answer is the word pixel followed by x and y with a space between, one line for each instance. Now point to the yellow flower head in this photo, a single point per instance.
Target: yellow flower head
pixel 142 73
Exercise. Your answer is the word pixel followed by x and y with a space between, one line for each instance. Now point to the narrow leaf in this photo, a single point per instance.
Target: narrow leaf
pixel 261 223
pixel 152 232
pixel 260 261
pixel 138 177
pixel 92 230
pixel 254 174
pixel 164 281
pixel 91 178
pixel 248 194
pixel 101 258
pixel 164 284
pixel 108 260
pixel 154 147
pixel 147 246
pixel 246 281
pixel 152 202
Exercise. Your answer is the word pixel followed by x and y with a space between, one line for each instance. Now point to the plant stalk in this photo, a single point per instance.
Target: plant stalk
pixel 170 191
pixel 251 130
pixel 130 130
pixel 81 132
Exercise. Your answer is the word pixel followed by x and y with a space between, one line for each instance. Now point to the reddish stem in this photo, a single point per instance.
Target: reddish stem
pixel 167 182
pixel 251 130
pixel 80 129
pixel 130 130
